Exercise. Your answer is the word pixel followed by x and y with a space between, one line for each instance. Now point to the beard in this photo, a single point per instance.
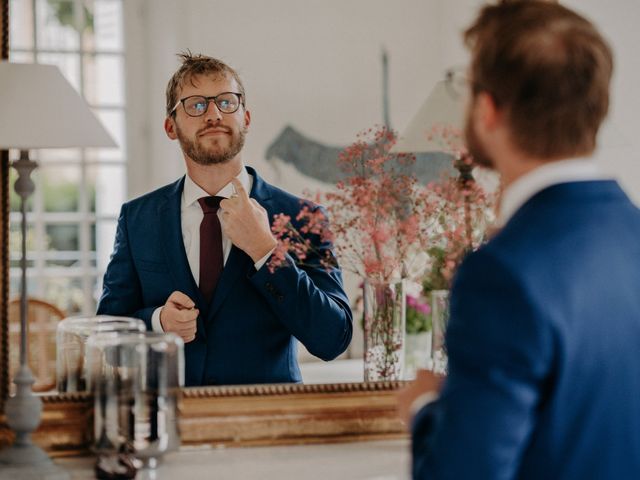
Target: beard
pixel 474 144
pixel 213 154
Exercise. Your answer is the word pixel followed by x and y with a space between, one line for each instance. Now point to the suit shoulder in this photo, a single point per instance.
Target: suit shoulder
pixel 151 198
pixel 287 202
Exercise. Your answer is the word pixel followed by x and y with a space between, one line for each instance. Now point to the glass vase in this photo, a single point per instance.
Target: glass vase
pixel 135 379
pixel 417 353
pixel 439 319
pixel 384 329
pixel 71 338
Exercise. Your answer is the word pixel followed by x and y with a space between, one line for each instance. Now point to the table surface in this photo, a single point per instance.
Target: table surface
pixel 378 460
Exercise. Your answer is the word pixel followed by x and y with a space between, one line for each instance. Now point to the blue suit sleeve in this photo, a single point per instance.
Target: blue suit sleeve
pixel 310 301
pixel 500 349
pixel 121 293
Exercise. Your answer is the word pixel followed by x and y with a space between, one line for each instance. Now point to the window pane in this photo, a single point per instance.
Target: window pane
pixel 65 292
pixel 103 80
pixel 15 245
pixel 21 28
pixel 113 121
pixel 68 63
pixel 21 57
pixel 56 25
pixel 108 184
pixel 62 259
pixel 108 25
pixel 63 237
pixel 60 188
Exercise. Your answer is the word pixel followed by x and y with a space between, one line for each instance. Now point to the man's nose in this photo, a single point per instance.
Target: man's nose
pixel 213 112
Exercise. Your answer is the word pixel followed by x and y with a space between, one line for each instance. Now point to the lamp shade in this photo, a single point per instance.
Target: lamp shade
pixel 442 107
pixel 40 109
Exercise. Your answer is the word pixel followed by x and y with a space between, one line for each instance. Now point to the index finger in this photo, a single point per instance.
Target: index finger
pixel 240 190
pixel 181 299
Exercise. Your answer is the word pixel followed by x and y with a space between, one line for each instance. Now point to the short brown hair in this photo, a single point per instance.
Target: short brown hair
pixel 548 69
pixel 194 65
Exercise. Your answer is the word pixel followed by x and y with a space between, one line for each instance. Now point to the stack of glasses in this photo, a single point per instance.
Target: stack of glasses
pixel 135 377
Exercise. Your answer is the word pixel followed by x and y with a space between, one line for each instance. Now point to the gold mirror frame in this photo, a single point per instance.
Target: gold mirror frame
pixel 240 415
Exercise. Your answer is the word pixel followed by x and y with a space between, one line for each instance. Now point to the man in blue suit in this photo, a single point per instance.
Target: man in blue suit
pixel 191 257
pixel 544 333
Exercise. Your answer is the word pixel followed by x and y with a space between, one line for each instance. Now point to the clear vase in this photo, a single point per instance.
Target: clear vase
pixel 439 319
pixel 417 353
pixel 135 379
pixel 384 329
pixel 71 338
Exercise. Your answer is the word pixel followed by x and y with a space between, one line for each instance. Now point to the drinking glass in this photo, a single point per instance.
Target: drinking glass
pixel 71 338
pixel 136 380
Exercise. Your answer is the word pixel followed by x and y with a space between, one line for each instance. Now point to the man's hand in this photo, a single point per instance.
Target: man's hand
pixel 425 382
pixel 246 223
pixel 179 316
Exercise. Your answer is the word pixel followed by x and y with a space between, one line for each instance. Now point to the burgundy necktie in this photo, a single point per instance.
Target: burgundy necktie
pixel 211 257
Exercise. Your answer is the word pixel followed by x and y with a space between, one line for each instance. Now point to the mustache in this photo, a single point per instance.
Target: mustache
pixel 214 128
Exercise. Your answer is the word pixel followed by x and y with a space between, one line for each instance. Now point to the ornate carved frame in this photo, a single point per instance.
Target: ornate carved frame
pixel 245 416
pixel 4 229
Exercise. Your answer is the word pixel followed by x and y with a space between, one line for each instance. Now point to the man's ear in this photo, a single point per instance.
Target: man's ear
pixel 170 127
pixel 247 118
pixel 487 114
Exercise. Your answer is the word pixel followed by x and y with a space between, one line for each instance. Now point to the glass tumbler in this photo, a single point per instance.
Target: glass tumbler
pixel 136 379
pixel 71 338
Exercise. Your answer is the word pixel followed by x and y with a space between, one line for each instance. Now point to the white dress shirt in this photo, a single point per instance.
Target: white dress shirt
pixel 552 173
pixel 191 216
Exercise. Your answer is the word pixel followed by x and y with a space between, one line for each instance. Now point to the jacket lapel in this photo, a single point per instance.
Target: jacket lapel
pixel 239 264
pixel 170 220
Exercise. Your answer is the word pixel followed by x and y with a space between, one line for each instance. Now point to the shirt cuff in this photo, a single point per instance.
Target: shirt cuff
pixel 258 265
pixel 156 326
pixel 421 402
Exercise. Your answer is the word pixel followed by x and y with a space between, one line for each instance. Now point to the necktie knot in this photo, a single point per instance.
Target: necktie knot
pixel 210 204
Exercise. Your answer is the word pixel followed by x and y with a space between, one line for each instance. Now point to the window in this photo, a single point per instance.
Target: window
pixel 72 214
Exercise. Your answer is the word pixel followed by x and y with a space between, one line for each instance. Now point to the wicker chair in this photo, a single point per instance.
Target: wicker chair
pixel 42 321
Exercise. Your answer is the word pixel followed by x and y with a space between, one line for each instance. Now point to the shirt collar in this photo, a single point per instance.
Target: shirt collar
pixel 552 173
pixel 192 191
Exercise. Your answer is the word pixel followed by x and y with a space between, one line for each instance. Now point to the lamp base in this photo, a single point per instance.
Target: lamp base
pixel 28 462
pixel 24 460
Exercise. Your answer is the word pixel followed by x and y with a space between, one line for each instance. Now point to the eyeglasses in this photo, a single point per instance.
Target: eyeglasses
pixel 197 105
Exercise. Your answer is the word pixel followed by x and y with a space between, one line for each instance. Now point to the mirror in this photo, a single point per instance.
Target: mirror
pixel 322 73
pixel 335 89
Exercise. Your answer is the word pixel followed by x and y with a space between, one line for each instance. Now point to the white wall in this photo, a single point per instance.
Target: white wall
pixel 314 64
pixel 620 139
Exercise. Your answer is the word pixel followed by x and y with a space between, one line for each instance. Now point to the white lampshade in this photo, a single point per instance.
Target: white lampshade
pixel 40 109
pixel 441 108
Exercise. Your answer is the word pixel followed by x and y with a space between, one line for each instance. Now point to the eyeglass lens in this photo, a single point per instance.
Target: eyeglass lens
pixel 226 103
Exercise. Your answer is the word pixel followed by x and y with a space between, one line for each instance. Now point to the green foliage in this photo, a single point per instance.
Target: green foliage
pixel 418 316
pixel 63 10
pixel 434 279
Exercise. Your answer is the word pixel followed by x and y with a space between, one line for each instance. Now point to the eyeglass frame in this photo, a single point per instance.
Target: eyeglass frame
pixel 209 100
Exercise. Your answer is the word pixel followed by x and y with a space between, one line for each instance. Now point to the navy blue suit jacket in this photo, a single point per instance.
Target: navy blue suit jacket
pixel 246 334
pixel 544 347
